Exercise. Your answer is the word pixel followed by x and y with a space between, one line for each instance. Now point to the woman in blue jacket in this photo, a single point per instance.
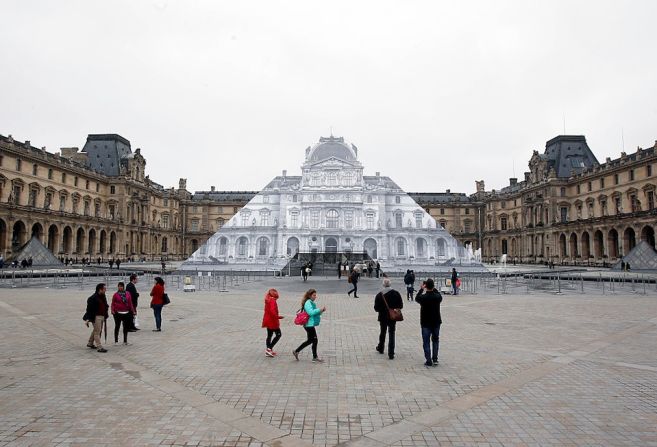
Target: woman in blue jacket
pixel 308 304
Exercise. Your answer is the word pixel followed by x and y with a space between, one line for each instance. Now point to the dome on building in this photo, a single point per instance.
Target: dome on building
pixel 332 147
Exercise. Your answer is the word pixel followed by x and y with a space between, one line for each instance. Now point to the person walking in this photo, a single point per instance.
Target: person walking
pixel 455 278
pixel 378 269
pixel 304 272
pixel 353 277
pixel 123 311
pixel 314 314
pixel 387 298
pixel 430 321
pixel 409 280
pixel 271 321
pixel 339 270
pixel 157 302
pixel 118 263
pixel 132 290
pixel 96 314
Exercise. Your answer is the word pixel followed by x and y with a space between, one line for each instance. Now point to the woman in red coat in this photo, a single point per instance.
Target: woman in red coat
pixel 157 302
pixel 271 321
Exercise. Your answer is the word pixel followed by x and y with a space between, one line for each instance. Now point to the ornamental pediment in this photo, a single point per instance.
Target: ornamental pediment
pixel 333 163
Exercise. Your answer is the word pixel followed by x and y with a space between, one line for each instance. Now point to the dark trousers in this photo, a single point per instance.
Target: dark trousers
pixel 354 290
pixel 431 334
pixel 270 342
pixel 312 340
pixel 126 319
pixel 390 327
pixel 409 291
pixel 157 312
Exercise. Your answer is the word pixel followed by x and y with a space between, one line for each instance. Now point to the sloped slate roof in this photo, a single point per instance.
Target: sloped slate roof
pixel 641 257
pixel 569 155
pixel 41 256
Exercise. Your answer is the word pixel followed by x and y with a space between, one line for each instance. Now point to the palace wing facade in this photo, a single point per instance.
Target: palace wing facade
pixel 331 208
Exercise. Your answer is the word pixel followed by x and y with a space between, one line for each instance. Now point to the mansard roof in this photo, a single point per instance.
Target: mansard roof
pixel 105 152
pixel 569 155
pixel 332 147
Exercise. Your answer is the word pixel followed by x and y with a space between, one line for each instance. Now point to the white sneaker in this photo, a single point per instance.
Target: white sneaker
pixel 268 353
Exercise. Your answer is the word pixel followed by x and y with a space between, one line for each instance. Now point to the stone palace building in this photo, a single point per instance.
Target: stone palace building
pixel 98 202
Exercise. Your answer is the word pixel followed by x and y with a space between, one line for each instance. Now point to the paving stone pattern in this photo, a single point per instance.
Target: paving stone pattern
pixel 542 369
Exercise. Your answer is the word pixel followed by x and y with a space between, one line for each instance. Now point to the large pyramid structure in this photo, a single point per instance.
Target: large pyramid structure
pixel 331 208
pixel 641 257
pixel 39 253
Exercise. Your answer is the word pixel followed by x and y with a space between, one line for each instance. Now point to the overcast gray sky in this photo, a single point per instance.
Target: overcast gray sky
pixel 434 94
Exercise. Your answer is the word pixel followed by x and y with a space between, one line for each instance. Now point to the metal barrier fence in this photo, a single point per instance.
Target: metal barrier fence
pixel 551 282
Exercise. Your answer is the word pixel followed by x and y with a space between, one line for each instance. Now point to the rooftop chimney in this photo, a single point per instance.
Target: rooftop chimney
pixel 513 181
pixel 378 174
pixel 527 176
pixel 284 172
pixel 448 191
pixel 480 185
pixel 212 188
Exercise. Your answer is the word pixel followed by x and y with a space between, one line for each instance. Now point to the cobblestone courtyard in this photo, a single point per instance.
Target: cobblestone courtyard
pixel 538 369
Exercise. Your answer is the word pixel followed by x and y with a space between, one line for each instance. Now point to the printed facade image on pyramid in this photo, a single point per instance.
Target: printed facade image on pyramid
pixel 332 210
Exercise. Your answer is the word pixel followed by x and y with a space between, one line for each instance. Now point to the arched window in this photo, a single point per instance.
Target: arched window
pixel 440 247
pixel 332 217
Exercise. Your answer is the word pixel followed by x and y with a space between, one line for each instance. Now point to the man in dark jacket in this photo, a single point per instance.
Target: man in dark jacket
pixel 96 314
pixel 132 290
pixel 354 275
pixel 394 300
pixel 409 280
pixel 430 321
pixel 455 276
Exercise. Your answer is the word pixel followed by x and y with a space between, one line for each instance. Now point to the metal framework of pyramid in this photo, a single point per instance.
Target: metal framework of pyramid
pixel 641 257
pixel 41 256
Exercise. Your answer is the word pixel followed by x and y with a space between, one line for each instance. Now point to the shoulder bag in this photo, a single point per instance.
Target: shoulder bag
pixel 393 314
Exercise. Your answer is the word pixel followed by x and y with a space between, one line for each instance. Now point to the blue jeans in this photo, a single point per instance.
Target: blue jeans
pixel 455 288
pixel 433 334
pixel 157 311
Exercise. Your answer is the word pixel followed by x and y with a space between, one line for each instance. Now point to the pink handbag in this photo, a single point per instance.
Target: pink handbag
pixel 302 317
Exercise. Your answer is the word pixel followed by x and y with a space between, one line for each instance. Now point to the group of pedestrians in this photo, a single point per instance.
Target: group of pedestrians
pixel 387 303
pixel 123 308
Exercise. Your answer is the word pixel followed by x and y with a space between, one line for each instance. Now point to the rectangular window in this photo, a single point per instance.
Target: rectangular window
pixel 503 203
pixel 398 220
pixel 86 208
pixel 442 211
pixel 86 184
pixel 631 174
pixel 195 209
pixel 591 211
pixel 166 202
pixel 349 219
pixel 294 220
pixel 418 220
pixel 235 209
pixel 33 197
pixel 515 203
pixel 467 226
pixel 603 206
pixel 194 225
pixel 651 200
pixel 649 171
pixel 112 211
pixel 97 209
pixel 590 186
pixel 467 210
pixel 75 181
pixel 1 158
pixel 220 210
pixel 602 183
pixel 97 187
pixel 615 179
pixel 265 199
pixel 16 193
pixel 62 203
pixel 48 201
pixel 563 192
pixel 264 219
pixel 564 214
pixel 49 174
pixel 633 204
pixel 617 203
pixel 579 190
pixel 314 219
pixel 18 164
pixel 503 223
pixel 63 177
pixel 294 198
pixel 370 221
